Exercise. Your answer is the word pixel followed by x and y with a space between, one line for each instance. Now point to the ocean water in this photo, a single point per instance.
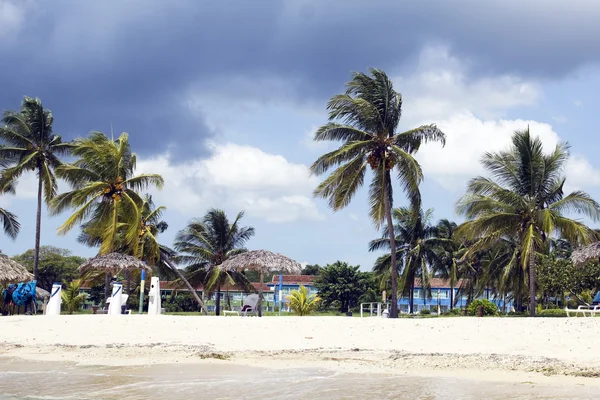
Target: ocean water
pixel 19 380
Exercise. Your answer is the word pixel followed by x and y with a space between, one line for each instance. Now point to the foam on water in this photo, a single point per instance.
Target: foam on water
pixel 20 381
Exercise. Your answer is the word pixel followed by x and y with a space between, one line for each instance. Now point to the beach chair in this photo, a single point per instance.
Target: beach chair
pixel 250 304
pixel 596 300
pixel 124 298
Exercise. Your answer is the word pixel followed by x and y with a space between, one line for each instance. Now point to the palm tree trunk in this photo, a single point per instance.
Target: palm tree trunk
pixel 411 297
pixel 185 282
pixel 107 287
pixel 260 294
pixel 218 299
pixel 532 283
pixel 451 296
pixel 38 226
pixel 393 266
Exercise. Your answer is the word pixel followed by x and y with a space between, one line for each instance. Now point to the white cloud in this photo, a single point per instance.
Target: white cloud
pixel 472 114
pixel 581 174
pixel 237 177
pixel 12 17
pixel 578 103
pixel 468 138
pixel 442 87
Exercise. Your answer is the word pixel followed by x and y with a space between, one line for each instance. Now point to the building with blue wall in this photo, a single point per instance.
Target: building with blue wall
pixel 440 296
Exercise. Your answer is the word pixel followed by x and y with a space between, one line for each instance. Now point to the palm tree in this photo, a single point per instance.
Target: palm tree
pixel 71 297
pixel 104 191
pixel 31 145
pixel 206 243
pixel 449 255
pixel 365 119
pixel 417 249
pixel 524 200
pixel 301 302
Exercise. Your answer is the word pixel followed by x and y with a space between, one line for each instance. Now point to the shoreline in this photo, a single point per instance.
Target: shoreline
pixel 541 350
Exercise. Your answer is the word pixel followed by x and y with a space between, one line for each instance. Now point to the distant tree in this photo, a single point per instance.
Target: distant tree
pixel 341 285
pixel 373 291
pixel 311 269
pixel 97 296
pixel 55 265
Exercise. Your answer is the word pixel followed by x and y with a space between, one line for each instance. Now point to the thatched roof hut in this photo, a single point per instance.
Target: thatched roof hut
pixel 585 254
pixel 113 263
pixel 263 261
pixel 12 272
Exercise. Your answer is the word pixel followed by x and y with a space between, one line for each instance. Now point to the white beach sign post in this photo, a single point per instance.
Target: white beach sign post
pixel 53 307
pixel 154 297
pixel 115 299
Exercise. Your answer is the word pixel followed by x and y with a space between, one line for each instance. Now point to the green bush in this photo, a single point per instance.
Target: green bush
pixel 552 313
pixel 489 308
pixel 425 311
pixel 183 302
pixel 454 312
pixel 518 314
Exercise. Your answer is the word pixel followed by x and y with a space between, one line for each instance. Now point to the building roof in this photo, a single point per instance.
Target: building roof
pixel 439 283
pixel 171 285
pixel 295 279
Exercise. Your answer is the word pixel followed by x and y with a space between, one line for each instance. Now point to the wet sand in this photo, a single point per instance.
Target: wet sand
pixel 34 380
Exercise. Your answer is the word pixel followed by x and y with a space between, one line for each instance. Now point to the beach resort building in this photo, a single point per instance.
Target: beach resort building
pixel 440 296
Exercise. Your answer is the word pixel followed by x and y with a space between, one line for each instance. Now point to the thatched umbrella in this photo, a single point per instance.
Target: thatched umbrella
pixel 112 264
pixel 263 261
pixel 585 254
pixel 12 272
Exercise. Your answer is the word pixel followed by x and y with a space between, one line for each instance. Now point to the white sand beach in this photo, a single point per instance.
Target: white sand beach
pixel 488 348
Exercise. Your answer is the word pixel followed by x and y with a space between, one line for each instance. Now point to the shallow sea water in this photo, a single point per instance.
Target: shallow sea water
pixel 20 380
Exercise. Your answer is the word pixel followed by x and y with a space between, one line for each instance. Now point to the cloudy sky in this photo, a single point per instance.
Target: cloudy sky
pixel 222 98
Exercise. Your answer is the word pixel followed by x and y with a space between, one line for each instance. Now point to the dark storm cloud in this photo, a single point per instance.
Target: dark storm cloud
pixel 134 63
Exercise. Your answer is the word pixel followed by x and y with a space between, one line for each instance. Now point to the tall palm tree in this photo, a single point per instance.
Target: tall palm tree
pixel 417 249
pixel 524 200
pixel 206 243
pixel 31 145
pixel 365 120
pixel 105 191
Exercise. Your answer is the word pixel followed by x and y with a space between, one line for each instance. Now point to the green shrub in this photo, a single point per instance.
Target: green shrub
pixel 425 311
pixel 454 312
pixel 489 308
pixel 552 313
pixel 183 302
pixel 518 314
